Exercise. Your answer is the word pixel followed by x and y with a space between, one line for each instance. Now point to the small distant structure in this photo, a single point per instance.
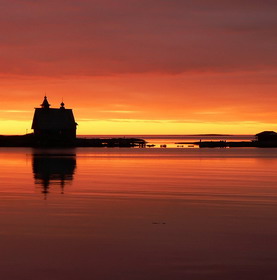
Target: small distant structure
pixel 54 125
pixel 266 136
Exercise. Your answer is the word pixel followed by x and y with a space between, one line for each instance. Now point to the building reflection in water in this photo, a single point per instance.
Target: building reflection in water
pixel 53 169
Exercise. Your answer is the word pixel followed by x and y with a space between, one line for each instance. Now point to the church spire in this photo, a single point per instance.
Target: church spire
pixel 62 105
pixel 45 104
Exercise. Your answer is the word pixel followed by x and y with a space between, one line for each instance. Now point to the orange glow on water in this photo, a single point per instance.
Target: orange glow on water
pixel 145 208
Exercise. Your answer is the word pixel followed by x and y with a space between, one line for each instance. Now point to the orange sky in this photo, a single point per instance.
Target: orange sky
pixel 141 67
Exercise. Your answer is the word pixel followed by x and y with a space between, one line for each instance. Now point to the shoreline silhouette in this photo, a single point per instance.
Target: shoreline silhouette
pixel 56 127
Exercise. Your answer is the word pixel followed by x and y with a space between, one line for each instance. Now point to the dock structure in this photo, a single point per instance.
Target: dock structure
pixel 30 140
pixel 110 142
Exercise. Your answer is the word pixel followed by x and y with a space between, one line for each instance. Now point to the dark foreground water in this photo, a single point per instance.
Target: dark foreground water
pixel 92 213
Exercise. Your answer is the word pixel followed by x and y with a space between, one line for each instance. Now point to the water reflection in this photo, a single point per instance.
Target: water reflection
pixel 53 168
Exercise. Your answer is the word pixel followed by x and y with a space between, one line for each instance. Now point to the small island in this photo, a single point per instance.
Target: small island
pixel 265 139
pixel 56 127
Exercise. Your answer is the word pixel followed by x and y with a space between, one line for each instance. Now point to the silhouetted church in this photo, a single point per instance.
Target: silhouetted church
pixel 54 124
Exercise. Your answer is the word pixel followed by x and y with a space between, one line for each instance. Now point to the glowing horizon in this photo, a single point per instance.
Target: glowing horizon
pixel 140 67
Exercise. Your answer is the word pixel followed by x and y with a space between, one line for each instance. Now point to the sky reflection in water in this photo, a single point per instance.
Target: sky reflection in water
pixel 138 213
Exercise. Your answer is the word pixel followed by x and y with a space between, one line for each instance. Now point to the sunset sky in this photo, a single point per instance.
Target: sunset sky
pixel 141 66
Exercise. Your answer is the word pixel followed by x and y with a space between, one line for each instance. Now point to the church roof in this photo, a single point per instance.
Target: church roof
pixel 45 103
pixel 53 119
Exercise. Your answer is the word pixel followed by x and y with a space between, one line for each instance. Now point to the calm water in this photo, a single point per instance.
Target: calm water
pixel 119 213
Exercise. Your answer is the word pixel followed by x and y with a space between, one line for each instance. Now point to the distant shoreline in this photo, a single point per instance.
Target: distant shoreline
pixel 211 134
pixel 156 135
pixel 131 135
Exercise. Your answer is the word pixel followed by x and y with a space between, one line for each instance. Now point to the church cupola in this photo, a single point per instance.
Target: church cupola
pixel 62 105
pixel 45 104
